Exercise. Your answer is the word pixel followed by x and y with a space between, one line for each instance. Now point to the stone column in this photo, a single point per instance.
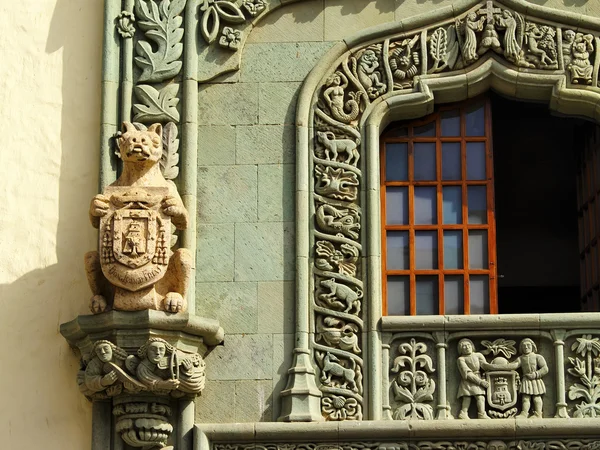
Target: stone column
pixel 441 346
pixel 385 381
pixel 559 364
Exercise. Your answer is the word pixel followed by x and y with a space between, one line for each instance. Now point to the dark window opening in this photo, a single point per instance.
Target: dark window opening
pixel 543 197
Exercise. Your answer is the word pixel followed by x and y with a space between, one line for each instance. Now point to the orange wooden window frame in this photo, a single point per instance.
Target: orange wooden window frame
pixel 411 227
pixel 588 208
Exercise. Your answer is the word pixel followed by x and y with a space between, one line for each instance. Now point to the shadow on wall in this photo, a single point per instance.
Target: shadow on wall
pixel 41 380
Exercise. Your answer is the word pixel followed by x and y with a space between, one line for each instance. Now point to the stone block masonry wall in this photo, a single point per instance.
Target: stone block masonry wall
pixel 246 195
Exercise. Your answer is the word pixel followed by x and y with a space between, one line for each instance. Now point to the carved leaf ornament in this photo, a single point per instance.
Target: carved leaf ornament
pixel 156 106
pixel 487 30
pixel 162 25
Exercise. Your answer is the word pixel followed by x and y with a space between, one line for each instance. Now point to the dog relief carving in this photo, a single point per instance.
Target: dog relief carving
pixel 135 268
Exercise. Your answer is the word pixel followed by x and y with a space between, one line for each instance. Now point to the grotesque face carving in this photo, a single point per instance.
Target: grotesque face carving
pixel 156 351
pixel 141 146
pixel 104 352
pixel 496 445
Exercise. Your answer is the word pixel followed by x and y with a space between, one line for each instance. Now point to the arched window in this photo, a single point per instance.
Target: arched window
pixel 466 230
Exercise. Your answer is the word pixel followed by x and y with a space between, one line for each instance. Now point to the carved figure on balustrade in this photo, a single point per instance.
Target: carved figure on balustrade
pixel 472 383
pixel 135 268
pixel 532 387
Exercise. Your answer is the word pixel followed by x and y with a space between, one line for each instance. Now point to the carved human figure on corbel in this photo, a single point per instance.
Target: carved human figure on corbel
pixel 105 374
pixel 163 369
pixel 135 268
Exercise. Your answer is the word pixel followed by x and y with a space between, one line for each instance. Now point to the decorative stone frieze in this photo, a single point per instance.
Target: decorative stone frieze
pixel 490 374
pixel 495 444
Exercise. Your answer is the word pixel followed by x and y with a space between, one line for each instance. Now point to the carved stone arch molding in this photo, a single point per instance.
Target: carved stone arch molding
pixel 391 72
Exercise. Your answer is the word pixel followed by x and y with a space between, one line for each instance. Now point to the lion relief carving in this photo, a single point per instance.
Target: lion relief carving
pixel 134 268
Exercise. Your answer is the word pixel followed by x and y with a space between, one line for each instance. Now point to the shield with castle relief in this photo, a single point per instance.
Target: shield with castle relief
pixel 134 237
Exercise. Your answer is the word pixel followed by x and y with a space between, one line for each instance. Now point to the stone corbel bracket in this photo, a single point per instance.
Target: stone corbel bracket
pixel 144 369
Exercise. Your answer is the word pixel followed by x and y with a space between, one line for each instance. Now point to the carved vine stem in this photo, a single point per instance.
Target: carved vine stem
pixel 127 66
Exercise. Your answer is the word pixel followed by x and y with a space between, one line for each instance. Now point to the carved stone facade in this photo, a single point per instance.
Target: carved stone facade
pixel 366 77
pixel 349 364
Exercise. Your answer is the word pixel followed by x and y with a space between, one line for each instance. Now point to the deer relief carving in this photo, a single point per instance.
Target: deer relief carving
pixel 332 367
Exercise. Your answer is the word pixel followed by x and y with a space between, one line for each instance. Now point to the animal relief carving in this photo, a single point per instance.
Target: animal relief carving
pixel 332 367
pixel 334 147
pixel 136 269
pixel 342 295
pixel 338 221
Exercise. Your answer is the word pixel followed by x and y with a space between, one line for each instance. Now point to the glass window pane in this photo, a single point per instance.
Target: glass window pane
pixel 452 201
pixel 426 249
pixel 476 197
pixel 398 296
pixel 453 251
pixel 453 294
pixel 451 166
pixel 396 162
pixel 397 250
pixel 475 160
pixel 478 249
pixel 427 295
pixel 451 123
pixel 425 205
pixel 475 120
pixel 479 294
pixel 424 161
pixel 396 205
pixel 425 130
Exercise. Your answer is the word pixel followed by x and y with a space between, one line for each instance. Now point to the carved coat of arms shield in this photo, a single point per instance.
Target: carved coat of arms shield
pixel 502 390
pixel 134 237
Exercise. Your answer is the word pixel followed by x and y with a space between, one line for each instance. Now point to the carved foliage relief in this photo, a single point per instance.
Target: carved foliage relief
pixel 363 77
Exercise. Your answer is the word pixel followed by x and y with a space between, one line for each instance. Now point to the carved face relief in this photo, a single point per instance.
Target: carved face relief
pixel 496 445
pixel 156 351
pixel 104 352
pixel 465 347
pixel 141 146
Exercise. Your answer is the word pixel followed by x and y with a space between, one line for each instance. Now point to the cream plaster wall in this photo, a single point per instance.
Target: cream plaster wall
pixel 50 72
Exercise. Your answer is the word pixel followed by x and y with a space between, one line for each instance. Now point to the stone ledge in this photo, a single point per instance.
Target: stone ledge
pixel 206 435
pixel 91 327
pixel 489 322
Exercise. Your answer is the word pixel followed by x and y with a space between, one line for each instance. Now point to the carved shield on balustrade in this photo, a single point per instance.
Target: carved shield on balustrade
pixel 502 389
pixel 134 237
